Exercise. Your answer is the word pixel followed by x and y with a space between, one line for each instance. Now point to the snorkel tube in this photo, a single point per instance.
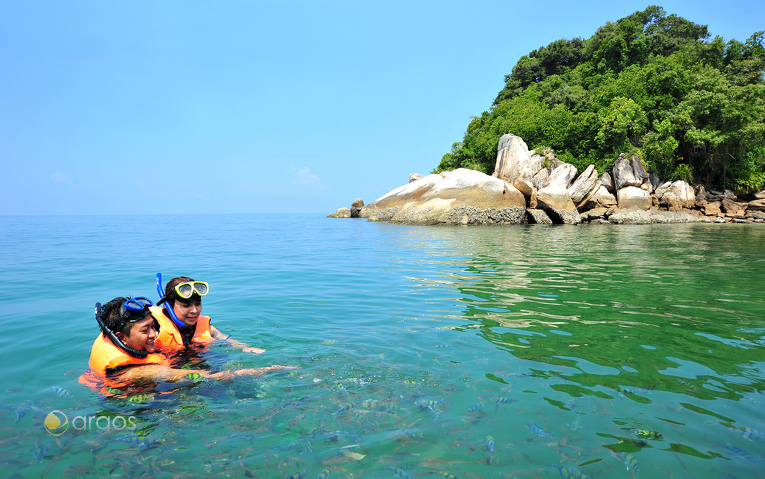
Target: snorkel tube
pixel 168 308
pixel 108 332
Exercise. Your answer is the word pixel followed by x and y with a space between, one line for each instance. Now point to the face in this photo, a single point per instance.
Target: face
pixel 142 335
pixel 188 312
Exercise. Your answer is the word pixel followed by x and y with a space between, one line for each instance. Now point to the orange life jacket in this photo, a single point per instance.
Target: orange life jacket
pixel 106 356
pixel 170 336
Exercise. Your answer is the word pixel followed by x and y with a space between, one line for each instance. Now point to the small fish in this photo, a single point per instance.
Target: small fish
pixel 572 403
pixel 490 446
pixel 646 434
pixel 740 453
pixel 538 430
pixel 70 372
pixel 504 400
pixel 571 473
pixel 401 473
pixel 446 475
pixel 629 461
pixel 139 398
pixel 40 451
pixel 340 433
pixel 195 377
pixel 476 407
pixel 13 389
pixel 749 433
pixel 297 475
pixel 344 408
pixel 575 423
pixel 324 474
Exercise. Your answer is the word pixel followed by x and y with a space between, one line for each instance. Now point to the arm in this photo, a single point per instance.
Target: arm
pixel 154 372
pixel 237 344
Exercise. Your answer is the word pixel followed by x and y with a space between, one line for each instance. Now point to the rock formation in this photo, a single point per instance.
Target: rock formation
pixel 534 187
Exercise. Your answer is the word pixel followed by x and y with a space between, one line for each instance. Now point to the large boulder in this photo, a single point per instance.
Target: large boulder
pixel 677 195
pixel 514 164
pixel 607 182
pixel 600 199
pixel 539 180
pixel 561 176
pixel 414 177
pixel 356 207
pixel 387 205
pixel 340 213
pixel 584 184
pixel 556 202
pixel 459 197
pixel 632 197
pixel 628 172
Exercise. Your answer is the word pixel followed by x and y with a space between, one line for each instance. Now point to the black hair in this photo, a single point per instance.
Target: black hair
pixel 110 315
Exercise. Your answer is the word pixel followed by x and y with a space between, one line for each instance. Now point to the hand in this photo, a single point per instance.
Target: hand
pixel 254 350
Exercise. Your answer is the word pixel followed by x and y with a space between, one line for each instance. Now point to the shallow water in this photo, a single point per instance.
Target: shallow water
pixel 570 347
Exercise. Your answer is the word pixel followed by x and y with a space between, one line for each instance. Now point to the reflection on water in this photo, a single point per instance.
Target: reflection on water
pixel 472 352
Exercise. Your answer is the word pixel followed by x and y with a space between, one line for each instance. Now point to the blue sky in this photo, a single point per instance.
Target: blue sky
pixel 278 106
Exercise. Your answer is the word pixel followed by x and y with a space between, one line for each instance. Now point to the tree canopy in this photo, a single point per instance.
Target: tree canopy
pixel 650 84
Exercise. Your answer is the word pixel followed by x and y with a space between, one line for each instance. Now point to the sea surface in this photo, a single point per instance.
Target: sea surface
pixel 468 352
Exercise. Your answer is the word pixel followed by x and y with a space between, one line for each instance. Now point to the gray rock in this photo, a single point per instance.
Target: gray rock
pixel 713 208
pixel 556 202
pixel 628 172
pixel 630 217
pixel 756 205
pixel 631 197
pixel 340 213
pixel 415 177
pixel 356 207
pixel 678 195
pixel 596 213
pixel 561 176
pixel 514 164
pixel 607 182
pixel 584 184
pixel 540 179
pixel 601 198
pixel 538 217
pixel 462 196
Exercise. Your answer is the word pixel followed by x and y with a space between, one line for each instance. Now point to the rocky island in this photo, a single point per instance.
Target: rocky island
pixel 530 187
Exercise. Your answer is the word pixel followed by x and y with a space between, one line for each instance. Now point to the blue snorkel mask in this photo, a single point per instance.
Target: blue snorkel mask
pixel 168 307
pixel 130 311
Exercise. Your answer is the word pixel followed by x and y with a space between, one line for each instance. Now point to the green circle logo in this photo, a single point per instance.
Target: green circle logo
pixel 56 423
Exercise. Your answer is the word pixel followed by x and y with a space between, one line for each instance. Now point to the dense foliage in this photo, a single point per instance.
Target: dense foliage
pixel 650 84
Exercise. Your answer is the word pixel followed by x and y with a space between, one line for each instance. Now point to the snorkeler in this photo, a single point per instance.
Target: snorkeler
pixel 181 320
pixel 126 349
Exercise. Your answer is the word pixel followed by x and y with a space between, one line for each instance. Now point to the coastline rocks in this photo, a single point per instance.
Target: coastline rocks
pixel 459 197
pixel 340 213
pixel 556 202
pixel 561 176
pixel 356 208
pixel 632 197
pixel 538 217
pixel 514 164
pixel 533 187
pixel 628 172
pixel 584 185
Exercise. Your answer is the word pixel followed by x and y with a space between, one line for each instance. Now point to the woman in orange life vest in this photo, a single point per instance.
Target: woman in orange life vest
pixel 181 320
pixel 126 349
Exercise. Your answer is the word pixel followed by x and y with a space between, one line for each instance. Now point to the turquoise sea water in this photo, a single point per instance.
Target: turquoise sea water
pixel 483 352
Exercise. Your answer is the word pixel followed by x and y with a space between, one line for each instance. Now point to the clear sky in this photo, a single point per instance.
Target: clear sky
pixel 272 106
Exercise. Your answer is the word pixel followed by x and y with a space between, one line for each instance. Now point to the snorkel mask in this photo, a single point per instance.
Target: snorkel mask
pixel 183 291
pixel 130 311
